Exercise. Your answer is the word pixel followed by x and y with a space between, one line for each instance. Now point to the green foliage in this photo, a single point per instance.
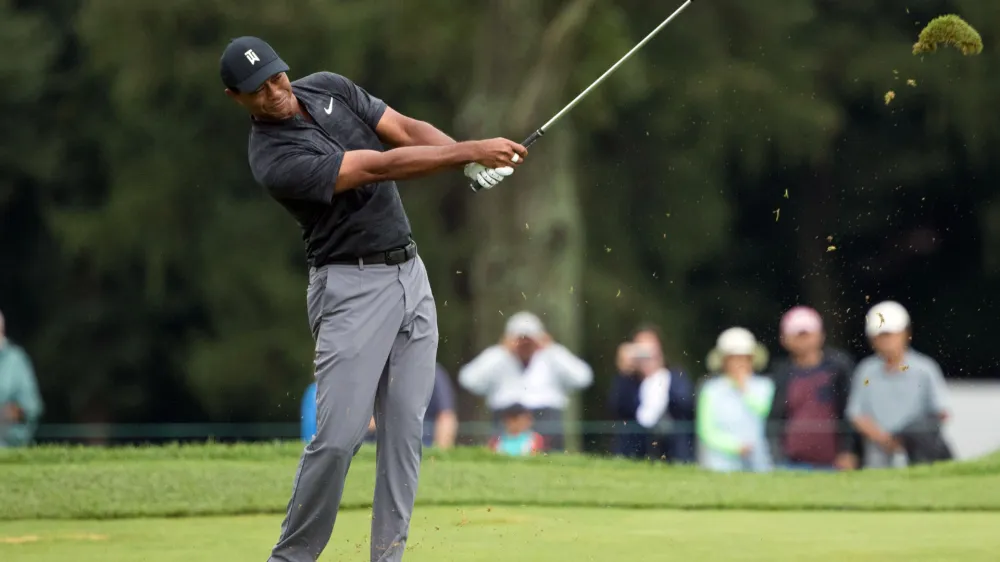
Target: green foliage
pixel 949 30
pixel 152 280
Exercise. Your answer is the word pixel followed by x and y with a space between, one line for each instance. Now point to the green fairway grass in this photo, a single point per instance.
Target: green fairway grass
pixel 92 483
pixel 445 534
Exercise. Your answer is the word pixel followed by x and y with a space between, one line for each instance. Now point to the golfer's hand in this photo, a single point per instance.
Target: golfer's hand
pixel 499 153
pixel 486 177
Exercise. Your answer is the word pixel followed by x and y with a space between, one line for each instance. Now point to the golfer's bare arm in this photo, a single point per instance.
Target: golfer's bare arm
pixel 421 149
pixel 398 130
pixel 362 167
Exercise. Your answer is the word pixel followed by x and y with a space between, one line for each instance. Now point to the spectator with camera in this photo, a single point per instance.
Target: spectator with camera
pixel 654 403
pixel 530 369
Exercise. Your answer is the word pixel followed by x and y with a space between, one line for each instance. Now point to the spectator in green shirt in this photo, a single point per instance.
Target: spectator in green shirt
pixel 20 402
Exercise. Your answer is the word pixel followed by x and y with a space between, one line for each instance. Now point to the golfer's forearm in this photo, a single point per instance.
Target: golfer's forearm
pixel 363 167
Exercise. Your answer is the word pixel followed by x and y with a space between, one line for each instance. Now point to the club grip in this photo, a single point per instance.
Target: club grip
pixel 531 139
pixel 527 142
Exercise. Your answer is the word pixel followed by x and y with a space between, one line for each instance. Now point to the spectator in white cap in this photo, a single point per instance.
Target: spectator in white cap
pixel 733 406
pixel 807 425
pixel 528 368
pixel 893 389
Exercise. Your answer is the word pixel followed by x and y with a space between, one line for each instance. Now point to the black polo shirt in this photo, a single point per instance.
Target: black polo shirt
pixel 298 162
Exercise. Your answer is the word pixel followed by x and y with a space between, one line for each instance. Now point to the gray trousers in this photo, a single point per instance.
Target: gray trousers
pixel 376 336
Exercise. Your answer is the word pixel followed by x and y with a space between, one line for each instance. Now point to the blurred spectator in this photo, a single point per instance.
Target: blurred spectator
pixel 733 407
pixel 645 393
pixel 20 402
pixel 441 421
pixel 898 396
pixel 517 438
pixel 530 369
pixel 308 424
pixel 808 425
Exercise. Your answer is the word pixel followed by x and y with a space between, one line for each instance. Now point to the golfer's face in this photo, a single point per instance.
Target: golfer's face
pixel 273 100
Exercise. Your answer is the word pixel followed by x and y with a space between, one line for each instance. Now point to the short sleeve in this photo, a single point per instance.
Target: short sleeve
pixel 856 400
pixel 937 388
pixel 368 107
pixel 297 174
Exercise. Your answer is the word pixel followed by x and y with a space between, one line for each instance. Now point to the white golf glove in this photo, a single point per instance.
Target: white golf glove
pixel 486 177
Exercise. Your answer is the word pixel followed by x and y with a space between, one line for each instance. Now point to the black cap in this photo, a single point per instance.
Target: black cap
pixel 247 63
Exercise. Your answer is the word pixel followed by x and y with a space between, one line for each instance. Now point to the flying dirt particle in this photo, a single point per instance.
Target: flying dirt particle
pixel 458 272
pixel 668 215
pixel 524 295
pixel 866 382
pixel 664 235
pixel 904 367
pixel 446 303
pixel 867 299
pixel 786 194
pixel 501 312
pixel 881 319
pixel 830 248
pixel 829 238
pixel 607 250
pixel 571 289
pixel 526 226
pixel 889 96
pixel 489 509
pixel 911 82
pixel 619 293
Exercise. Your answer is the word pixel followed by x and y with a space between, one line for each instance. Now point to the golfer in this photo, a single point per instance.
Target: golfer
pixel 316 145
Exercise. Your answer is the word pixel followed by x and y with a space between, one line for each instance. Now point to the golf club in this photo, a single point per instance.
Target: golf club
pixel 541 130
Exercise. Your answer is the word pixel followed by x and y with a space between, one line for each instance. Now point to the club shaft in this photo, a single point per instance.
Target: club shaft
pixel 611 70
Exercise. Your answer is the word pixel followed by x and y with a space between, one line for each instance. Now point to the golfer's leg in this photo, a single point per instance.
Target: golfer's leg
pixel 359 318
pixel 403 395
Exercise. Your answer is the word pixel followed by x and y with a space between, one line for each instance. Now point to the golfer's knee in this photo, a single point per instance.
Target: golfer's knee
pixel 335 447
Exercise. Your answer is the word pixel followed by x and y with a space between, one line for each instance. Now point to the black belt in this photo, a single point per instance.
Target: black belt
pixel 389 257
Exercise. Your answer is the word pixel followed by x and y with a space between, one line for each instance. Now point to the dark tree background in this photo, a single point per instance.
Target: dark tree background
pixel 703 186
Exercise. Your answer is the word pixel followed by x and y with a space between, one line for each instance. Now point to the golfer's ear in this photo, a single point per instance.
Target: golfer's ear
pixel 231 93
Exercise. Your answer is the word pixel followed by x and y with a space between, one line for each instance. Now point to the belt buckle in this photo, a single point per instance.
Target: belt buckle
pixel 393 257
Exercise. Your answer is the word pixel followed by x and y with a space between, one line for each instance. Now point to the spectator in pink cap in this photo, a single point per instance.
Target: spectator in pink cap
pixel 807 424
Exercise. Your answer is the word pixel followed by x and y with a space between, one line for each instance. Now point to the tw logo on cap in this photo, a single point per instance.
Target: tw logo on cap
pixel 251 56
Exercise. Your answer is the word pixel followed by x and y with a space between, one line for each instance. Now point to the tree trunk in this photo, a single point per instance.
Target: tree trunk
pixel 529 245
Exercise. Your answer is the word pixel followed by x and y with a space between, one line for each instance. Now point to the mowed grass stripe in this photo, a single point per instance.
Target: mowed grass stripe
pixel 218 480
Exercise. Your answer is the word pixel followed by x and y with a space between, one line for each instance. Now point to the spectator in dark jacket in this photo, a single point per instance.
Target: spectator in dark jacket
pixel 807 424
pixel 654 404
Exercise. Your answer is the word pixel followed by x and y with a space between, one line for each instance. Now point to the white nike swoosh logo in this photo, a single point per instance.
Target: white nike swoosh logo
pixel 329 108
